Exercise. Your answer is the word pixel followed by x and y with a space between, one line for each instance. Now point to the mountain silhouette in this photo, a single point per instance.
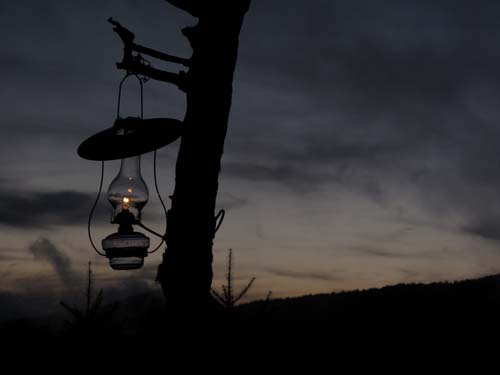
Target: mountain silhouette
pixel 407 307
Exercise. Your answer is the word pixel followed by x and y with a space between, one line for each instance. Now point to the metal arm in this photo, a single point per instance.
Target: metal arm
pixel 128 40
pixel 160 55
pixel 136 64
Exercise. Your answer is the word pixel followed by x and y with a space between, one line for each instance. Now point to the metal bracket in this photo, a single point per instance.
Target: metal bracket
pixel 136 64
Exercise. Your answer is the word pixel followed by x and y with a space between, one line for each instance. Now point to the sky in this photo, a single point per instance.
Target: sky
pixel 362 150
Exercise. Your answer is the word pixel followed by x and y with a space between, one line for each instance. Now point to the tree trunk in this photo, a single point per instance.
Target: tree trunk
pixel 186 272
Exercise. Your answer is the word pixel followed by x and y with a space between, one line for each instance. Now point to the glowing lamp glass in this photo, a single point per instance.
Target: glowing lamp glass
pixel 128 191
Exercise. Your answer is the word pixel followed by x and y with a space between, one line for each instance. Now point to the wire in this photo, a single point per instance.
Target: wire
pixel 154 160
pixel 220 218
pixel 92 211
pixel 120 94
pixel 139 224
pixel 164 210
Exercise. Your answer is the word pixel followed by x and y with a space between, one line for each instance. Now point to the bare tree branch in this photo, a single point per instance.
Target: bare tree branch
pixel 219 297
pixel 244 291
pixel 230 277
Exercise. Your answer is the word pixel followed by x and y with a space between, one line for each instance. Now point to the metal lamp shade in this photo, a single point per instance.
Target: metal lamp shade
pixel 130 137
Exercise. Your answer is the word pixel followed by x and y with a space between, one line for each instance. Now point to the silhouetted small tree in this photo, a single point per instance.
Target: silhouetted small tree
pixel 86 319
pixel 267 301
pixel 227 298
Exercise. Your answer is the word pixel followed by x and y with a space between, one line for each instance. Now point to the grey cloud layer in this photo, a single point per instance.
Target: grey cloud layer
pixel 400 92
pixel 35 209
pixel 361 93
pixel 321 276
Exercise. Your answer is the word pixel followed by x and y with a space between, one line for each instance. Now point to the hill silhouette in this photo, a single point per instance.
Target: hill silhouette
pixel 440 305
pixel 433 300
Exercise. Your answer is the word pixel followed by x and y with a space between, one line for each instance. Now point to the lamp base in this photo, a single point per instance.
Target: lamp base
pixel 126 251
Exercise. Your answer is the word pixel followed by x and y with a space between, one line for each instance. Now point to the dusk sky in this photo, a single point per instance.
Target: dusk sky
pixel 363 146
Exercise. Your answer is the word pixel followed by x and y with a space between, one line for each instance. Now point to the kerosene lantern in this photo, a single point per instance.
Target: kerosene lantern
pixel 127 140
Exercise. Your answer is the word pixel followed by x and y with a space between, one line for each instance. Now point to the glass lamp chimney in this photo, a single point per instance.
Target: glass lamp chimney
pixel 128 191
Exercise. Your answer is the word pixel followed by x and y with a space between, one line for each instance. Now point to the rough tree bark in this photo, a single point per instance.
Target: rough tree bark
pixel 186 271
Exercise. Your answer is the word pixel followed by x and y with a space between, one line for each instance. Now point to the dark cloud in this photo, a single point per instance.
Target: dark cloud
pixel 485 227
pixel 319 276
pixel 288 175
pixel 44 250
pixel 371 251
pixel 393 254
pixel 39 209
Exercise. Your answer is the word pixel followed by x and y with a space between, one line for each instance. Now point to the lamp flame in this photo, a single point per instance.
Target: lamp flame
pixel 126 201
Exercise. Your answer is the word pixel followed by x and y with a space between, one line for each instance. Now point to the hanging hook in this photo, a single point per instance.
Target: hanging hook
pixel 120 94
pixel 219 218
